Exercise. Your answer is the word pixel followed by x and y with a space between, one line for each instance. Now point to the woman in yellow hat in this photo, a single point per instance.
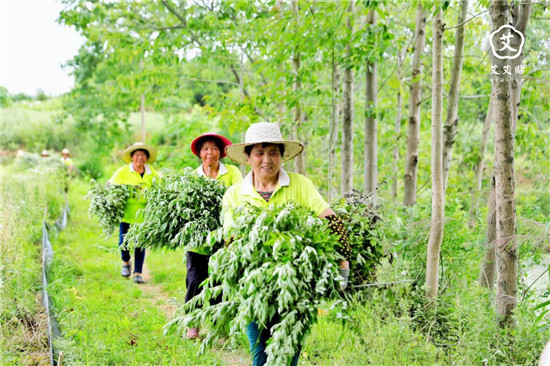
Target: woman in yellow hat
pixel 137 174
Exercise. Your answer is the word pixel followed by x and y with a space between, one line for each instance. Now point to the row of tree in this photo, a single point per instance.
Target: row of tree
pixel 332 74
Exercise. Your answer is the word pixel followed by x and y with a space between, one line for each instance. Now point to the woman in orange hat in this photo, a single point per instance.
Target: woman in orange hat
pixel 210 148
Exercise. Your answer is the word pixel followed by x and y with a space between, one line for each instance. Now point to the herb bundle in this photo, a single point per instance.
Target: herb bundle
pixel 181 209
pixel 280 265
pixel 107 203
pixel 360 216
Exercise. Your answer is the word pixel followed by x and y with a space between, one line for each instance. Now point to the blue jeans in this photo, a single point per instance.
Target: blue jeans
pixel 258 338
pixel 139 253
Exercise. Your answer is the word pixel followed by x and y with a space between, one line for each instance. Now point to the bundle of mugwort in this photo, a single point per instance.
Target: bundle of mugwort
pixel 107 203
pixel 181 209
pixel 279 266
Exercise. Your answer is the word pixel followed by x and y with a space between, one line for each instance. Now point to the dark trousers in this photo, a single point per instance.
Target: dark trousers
pixel 197 272
pixel 257 338
pixel 139 253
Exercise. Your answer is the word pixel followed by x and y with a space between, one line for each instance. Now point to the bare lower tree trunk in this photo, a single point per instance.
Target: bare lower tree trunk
pixel 438 194
pixel 399 110
pixel 479 166
pixel 506 248
pixel 333 133
pixel 370 176
pixel 451 121
pixel 347 122
pixel 299 161
pixel 413 133
pixel 488 266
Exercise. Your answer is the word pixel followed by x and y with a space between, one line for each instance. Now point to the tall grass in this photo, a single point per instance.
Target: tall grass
pixel 24 195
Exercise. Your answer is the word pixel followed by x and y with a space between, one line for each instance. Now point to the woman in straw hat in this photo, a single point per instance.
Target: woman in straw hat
pixel 210 148
pixel 139 175
pixel 268 184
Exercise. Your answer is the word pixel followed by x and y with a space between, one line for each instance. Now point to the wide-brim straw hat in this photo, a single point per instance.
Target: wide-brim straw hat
pixel 44 153
pixel 65 151
pixel 127 153
pixel 205 136
pixel 259 133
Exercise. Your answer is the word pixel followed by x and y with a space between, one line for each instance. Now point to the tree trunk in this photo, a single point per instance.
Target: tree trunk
pixel 413 133
pixel 521 16
pixel 299 161
pixel 347 120
pixel 506 248
pixel 371 144
pixel 488 267
pixel 438 194
pixel 451 121
pixel 397 132
pixel 479 166
pixel 333 133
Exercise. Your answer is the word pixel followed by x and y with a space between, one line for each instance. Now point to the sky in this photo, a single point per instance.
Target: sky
pixel 33 46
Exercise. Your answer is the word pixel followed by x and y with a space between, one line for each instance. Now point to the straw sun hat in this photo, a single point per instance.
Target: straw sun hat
pixel 259 133
pixel 65 151
pixel 127 153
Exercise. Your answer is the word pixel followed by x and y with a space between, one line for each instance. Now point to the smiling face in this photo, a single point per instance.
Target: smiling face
pixel 265 161
pixel 139 158
pixel 210 153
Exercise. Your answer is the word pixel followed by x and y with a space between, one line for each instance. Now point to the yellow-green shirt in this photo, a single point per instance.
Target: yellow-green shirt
pixel 67 161
pixel 128 176
pixel 227 174
pixel 290 187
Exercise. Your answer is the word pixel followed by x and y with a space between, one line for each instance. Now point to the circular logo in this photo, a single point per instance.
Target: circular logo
pixel 506 42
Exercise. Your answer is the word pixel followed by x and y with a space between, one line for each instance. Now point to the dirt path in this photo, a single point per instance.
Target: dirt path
pixel 168 306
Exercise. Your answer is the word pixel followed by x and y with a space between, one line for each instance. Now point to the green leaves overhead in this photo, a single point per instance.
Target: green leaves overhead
pixel 181 210
pixel 280 265
pixel 107 203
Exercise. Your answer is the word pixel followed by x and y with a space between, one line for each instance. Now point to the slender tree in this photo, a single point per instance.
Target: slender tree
pixel 505 104
pixel 413 133
pixel 438 194
pixel 347 122
pixel 504 178
pixel 451 121
pixel 488 265
pixel 478 175
pixel 333 131
pixel 299 161
pixel 371 140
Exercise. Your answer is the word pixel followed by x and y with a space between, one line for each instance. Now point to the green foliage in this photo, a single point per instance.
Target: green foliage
pixel 181 210
pixel 280 265
pixel 107 203
pixel 360 217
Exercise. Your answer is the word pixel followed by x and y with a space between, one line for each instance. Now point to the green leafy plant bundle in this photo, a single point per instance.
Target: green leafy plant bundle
pixel 278 268
pixel 360 216
pixel 107 203
pixel 181 209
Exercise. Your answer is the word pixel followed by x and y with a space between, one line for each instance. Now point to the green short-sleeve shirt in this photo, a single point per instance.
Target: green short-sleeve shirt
pixel 291 187
pixel 227 174
pixel 128 176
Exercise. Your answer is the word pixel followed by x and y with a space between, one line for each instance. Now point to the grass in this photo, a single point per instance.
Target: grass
pixel 23 335
pixel 105 318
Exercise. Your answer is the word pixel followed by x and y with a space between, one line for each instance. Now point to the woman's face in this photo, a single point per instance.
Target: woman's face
pixel 265 161
pixel 210 153
pixel 139 158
